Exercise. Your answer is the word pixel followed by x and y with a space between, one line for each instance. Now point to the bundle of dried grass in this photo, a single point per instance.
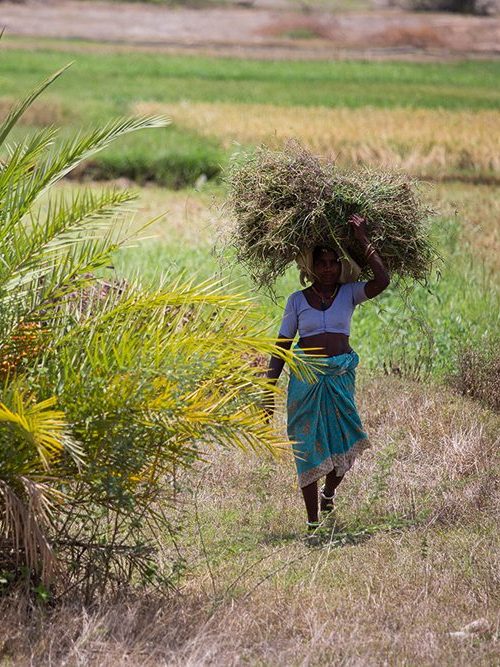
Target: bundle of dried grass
pixel 284 202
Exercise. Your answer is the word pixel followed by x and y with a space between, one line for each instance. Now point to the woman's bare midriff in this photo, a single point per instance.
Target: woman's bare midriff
pixel 329 344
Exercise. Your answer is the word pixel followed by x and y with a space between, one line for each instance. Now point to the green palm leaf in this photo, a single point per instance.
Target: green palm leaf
pixel 127 382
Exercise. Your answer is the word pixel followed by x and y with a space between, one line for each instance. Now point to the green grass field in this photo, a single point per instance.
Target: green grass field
pixel 436 319
pixel 113 82
pixel 427 331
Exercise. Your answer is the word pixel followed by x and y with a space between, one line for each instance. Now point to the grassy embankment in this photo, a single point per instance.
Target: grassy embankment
pixel 414 555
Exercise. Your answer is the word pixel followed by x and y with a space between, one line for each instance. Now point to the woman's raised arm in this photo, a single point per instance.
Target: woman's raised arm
pixel 381 279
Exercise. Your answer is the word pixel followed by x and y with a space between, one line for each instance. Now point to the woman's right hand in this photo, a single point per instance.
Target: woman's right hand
pixel 358 226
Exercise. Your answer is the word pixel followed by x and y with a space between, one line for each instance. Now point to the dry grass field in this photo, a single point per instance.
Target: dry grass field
pixel 410 564
pixel 435 143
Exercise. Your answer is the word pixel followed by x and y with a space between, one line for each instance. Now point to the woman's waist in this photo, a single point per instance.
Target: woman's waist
pixel 325 344
pixel 323 365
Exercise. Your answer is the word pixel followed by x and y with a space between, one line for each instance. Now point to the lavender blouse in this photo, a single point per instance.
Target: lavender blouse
pixel 308 321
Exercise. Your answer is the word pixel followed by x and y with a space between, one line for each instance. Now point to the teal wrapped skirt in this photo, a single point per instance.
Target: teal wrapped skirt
pixel 323 422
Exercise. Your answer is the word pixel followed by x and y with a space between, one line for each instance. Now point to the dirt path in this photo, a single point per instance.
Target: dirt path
pixel 257 31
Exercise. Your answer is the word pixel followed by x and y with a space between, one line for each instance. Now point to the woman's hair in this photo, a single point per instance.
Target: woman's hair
pixel 320 250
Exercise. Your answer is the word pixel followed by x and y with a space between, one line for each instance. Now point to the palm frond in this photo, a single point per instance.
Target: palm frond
pixel 22 158
pixel 67 155
pixel 54 233
pixel 41 426
pixel 70 153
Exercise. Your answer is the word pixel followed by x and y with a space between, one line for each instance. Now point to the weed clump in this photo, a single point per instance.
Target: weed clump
pixel 478 374
pixel 286 202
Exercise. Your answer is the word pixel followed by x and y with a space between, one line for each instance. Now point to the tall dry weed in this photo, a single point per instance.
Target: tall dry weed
pixel 478 374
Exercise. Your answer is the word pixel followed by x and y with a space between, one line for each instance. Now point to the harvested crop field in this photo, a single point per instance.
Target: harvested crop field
pixel 425 142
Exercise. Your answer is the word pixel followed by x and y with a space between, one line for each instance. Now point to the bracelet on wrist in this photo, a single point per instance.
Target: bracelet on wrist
pixel 369 249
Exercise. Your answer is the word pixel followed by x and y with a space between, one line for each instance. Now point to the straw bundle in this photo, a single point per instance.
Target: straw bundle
pixel 285 202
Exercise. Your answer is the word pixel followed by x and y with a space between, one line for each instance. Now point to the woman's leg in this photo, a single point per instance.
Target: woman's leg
pixel 310 493
pixel 331 483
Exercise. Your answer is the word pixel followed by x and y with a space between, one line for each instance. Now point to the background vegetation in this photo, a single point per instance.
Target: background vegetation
pixel 200 93
pixel 437 121
pixel 413 558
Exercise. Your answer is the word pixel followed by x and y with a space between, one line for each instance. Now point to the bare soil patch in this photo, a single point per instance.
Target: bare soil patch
pixel 258 31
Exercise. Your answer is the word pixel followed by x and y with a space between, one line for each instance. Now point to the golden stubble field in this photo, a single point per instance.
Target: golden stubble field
pixel 426 142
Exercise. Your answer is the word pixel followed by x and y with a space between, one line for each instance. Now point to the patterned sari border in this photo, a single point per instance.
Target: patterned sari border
pixel 341 463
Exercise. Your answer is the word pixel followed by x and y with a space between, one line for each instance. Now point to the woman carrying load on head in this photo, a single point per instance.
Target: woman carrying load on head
pixel 323 422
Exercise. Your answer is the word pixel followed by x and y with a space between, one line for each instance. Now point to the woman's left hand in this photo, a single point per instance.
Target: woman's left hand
pixel 358 226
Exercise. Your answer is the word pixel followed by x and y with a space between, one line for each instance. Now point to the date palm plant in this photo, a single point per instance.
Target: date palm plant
pixel 105 386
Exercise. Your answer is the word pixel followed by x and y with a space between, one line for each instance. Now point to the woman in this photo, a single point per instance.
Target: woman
pixel 323 422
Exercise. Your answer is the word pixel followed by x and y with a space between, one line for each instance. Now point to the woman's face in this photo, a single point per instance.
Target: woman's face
pixel 327 268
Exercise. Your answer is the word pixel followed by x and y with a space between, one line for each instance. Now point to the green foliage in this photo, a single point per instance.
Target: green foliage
pixel 174 158
pixel 106 386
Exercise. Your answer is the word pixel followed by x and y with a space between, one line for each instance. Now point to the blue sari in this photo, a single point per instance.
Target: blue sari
pixel 323 421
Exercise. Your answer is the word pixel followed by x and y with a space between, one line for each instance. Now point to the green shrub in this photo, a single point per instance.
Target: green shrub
pixel 479 7
pixel 105 387
pixel 174 158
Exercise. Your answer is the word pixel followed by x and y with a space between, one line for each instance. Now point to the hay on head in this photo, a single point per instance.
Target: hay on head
pixel 284 203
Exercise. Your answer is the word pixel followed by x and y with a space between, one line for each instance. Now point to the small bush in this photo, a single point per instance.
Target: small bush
pixel 478 7
pixel 478 374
